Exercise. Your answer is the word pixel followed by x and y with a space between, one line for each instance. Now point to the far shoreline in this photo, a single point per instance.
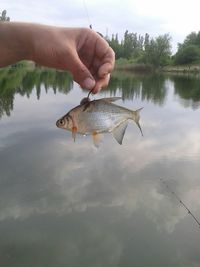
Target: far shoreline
pixel 147 68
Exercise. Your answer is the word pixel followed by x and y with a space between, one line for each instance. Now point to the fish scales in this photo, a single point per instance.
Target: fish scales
pixel 99 116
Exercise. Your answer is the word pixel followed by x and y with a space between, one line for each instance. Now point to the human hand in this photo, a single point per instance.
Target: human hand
pixel 82 51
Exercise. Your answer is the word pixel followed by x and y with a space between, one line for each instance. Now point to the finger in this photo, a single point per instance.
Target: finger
pixel 103 66
pixel 107 59
pixel 81 74
pixel 101 83
pixel 105 69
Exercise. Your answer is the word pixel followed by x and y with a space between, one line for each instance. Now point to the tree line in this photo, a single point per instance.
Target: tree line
pixel 156 51
pixel 142 49
pixel 189 51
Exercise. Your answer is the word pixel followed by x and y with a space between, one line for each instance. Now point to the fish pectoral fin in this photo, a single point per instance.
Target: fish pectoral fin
pixel 97 138
pixel 111 99
pixel 119 131
pixel 74 131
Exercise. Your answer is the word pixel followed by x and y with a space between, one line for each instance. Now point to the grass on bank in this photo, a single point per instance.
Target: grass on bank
pixel 130 65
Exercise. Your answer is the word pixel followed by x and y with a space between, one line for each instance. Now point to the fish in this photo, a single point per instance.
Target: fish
pixel 95 117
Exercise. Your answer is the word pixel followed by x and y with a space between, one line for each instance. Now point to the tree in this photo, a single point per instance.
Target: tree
pixel 187 54
pixel 158 50
pixel 146 41
pixel 116 45
pixel 191 39
pixel 128 44
pixel 189 51
pixel 142 49
pixel 3 16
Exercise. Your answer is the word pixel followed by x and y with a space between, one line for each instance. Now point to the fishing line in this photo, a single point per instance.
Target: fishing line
pixel 180 201
pixel 88 17
pixel 87 14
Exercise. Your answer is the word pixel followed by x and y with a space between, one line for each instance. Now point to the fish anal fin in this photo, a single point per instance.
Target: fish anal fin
pixel 74 131
pixel 119 131
pixel 97 138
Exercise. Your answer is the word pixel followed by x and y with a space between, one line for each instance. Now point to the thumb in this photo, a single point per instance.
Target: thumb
pixel 81 74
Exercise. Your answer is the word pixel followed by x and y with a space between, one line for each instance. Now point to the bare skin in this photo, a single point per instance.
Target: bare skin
pixel 81 51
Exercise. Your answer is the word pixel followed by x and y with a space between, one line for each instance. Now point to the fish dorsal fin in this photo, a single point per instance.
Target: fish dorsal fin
pixel 111 99
pixel 97 138
pixel 119 132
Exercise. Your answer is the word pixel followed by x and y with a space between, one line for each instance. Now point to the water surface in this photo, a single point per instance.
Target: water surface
pixel 70 204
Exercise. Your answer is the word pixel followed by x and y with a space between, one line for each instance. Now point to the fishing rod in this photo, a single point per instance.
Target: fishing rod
pixel 180 201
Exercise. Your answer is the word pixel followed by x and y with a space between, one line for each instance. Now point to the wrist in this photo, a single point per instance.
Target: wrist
pixel 15 44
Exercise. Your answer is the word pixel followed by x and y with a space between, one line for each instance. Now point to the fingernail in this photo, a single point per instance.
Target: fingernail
pixel 88 83
pixel 97 90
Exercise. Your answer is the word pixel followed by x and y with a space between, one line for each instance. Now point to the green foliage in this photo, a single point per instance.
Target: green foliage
pixel 181 85
pixel 3 16
pixel 142 49
pixel 187 54
pixel 192 39
pixel 116 45
pixel 158 51
pixel 147 87
pixel 122 61
pixel 130 46
pixel 189 51
pixel 23 80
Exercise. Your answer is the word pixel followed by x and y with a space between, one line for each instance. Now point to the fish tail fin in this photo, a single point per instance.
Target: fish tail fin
pixel 136 118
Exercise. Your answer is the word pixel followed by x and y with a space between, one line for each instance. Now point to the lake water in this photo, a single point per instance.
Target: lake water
pixel 71 204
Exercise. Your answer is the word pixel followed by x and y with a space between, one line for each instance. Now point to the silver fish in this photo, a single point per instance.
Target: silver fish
pixel 99 116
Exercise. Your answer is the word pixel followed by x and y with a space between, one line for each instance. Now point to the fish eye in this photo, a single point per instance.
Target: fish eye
pixel 62 122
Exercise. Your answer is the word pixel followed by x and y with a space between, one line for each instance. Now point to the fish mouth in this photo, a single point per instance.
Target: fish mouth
pixel 57 123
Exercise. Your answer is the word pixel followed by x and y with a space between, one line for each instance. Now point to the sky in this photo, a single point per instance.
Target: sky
pixel 156 17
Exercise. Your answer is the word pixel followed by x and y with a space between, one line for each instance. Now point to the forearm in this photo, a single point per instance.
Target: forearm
pixel 43 44
pixel 15 42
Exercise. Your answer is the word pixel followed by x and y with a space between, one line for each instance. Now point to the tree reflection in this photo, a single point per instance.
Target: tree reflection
pixel 24 80
pixel 153 87
pixel 146 87
pixel 187 87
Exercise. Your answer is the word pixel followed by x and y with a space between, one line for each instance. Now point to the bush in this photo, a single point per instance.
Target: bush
pixel 187 54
